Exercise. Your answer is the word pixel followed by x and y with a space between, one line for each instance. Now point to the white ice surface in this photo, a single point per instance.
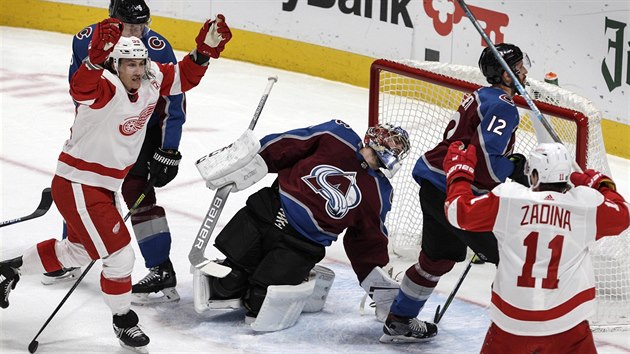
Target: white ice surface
pixel 37 112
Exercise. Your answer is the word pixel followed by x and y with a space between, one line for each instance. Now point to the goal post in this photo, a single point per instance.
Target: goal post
pixel 422 97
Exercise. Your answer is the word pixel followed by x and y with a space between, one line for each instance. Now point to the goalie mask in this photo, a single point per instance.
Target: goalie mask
pixel 551 161
pixel 129 48
pixel 491 67
pixel 391 144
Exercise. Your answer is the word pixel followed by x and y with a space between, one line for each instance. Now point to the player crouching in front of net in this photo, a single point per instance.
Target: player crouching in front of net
pixel 116 90
pixel 328 180
pixel 544 288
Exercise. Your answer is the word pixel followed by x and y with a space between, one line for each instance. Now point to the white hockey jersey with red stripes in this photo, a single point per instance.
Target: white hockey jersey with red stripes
pixel 109 128
pixel 544 282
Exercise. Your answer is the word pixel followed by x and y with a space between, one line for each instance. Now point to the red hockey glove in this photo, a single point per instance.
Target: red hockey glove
pixel 593 179
pixel 105 37
pixel 460 163
pixel 213 36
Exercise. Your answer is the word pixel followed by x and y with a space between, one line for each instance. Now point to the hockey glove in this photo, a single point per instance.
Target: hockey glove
pixel 518 175
pixel 105 37
pixel 164 166
pixel 212 37
pixel 593 179
pixel 460 162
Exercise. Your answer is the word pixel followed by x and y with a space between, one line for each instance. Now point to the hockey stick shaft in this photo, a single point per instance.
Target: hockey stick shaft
pixel 197 253
pixel 515 80
pixel 439 313
pixel 42 208
pixel 32 347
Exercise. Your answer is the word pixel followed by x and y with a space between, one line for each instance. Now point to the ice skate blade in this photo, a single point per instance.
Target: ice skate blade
pixel 143 349
pixel 69 276
pixel 167 295
pixel 385 338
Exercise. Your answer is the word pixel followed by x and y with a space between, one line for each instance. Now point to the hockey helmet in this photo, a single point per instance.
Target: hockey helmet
pixel 551 161
pixel 129 48
pixel 491 67
pixel 130 11
pixel 391 144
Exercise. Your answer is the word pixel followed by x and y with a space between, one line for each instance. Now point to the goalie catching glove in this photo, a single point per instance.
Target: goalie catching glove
pixel 238 164
pixel 380 286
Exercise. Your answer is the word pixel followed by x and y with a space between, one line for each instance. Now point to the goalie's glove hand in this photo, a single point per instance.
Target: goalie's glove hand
pixel 518 175
pixel 106 35
pixel 164 166
pixel 460 162
pixel 212 37
pixel 593 179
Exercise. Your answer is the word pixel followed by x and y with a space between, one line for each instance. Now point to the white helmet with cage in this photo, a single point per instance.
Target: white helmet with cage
pixel 129 48
pixel 391 144
pixel 551 161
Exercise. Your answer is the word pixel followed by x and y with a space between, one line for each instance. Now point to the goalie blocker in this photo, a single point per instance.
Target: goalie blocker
pixel 238 164
pixel 283 304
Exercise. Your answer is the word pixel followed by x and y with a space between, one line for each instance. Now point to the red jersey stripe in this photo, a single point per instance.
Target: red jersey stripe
pixel 543 315
pixel 93 166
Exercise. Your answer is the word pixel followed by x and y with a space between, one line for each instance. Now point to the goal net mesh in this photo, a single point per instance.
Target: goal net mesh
pixel 422 97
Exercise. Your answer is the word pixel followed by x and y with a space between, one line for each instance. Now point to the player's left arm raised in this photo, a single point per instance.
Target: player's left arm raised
pixel 464 210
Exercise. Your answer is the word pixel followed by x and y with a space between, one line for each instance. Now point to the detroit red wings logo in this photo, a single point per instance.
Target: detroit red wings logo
pixel 133 124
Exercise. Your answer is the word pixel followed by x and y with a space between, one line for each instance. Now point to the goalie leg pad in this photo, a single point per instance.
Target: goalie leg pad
pixel 282 306
pixel 324 278
pixel 382 289
pixel 203 294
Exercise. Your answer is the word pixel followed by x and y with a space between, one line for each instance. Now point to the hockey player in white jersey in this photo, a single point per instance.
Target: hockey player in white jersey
pixel 116 89
pixel 544 288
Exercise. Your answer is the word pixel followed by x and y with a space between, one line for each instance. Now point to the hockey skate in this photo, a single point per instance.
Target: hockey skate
pixel 129 334
pixel 161 279
pixel 62 275
pixel 9 277
pixel 407 330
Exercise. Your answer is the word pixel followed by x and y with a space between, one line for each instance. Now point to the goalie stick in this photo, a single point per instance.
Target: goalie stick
pixel 42 208
pixel 196 256
pixel 32 347
pixel 517 83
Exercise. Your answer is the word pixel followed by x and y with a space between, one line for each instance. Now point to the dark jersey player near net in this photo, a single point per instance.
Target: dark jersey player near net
pixel 486 119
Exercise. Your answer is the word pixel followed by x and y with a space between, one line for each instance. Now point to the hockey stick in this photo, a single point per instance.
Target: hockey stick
pixel 32 347
pixel 515 80
pixel 451 296
pixel 196 256
pixel 42 208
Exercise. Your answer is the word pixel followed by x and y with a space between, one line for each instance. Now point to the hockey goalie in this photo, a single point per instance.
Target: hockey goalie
pixel 329 180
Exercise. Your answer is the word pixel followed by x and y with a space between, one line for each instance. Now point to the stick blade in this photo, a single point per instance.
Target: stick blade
pixel 45 202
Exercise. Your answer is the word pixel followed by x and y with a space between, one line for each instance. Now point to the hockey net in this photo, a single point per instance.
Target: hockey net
pixel 422 97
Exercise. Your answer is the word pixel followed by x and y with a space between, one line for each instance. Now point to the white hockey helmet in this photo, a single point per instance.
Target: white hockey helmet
pixel 129 48
pixel 551 161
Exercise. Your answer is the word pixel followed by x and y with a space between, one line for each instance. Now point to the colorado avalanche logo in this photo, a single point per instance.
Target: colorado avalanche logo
pixel 156 43
pixel 337 187
pixel 133 124
pixel 84 33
